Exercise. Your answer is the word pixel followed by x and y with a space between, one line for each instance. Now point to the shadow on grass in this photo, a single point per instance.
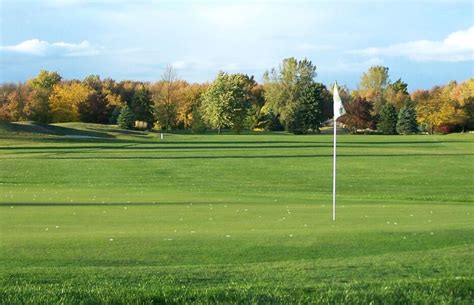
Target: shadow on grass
pixel 189 145
pixel 39 128
pixel 245 157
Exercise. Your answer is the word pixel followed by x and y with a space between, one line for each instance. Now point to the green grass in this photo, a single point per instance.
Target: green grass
pixel 93 214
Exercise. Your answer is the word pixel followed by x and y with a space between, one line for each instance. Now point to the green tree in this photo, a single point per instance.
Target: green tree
pixel 388 119
pixel 142 106
pixel 308 114
pixel 226 101
pixel 285 86
pixel 38 101
pixel 126 120
pixel 197 125
pixel 407 119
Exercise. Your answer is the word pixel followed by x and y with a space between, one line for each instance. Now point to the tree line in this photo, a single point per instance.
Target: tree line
pixel 288 99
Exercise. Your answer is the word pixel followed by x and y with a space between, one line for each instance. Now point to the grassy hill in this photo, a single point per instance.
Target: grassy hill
pixel 94 214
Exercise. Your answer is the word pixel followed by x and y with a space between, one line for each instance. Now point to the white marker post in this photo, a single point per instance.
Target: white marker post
pixel 338 111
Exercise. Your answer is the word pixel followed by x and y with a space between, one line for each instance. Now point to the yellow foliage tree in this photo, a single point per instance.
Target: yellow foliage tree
pixel 446 105
pixel 64 101
pixel 189 100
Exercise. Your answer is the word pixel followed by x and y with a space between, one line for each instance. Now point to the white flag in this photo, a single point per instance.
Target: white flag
pixel 338 107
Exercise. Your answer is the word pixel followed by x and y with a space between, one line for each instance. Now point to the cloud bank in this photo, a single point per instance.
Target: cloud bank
pixel 36 47
pixel 456 47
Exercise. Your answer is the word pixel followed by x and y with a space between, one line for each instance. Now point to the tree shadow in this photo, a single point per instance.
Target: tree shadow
pixel 246 157
pixel 40 128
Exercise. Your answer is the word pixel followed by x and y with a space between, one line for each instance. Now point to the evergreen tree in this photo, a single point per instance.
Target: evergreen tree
pixel 388 119
pixel 407 120
pixel 126 119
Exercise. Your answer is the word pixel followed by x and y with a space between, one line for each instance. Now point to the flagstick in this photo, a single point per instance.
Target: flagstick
pixel 334 176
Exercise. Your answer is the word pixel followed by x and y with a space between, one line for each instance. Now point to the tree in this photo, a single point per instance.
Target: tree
pixel 226 101
pixel 388 119
pixel 141 106
pixel 256 117
pixel 397 94
pixel 126 119
pixel 308 115
pixel 189 102
pixel 38 100
pixel 95 109
pixel 373 85
pixel 445 108
pixel 358 114
pixel 407 120
pixel 285 86
pixel 197 125
pixel 65 99
pixel 45 80
pixel 167 98
pixel 13 101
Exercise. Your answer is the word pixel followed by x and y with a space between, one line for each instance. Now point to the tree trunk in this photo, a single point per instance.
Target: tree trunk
pixel 219 130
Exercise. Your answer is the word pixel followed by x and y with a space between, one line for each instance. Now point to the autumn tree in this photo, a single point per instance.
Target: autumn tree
pixel 65 100
pixel 13 100
pixel 358 114
pixel 444 108
pixel 188 105
pixel 166 99
pixel 38 100
pixel 397 94
pixel 373 85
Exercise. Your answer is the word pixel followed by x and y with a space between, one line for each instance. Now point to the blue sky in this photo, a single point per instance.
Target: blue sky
pixel 423 42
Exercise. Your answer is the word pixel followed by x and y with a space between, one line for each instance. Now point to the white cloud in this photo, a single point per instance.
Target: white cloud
pixel 38 47
pixel 457 46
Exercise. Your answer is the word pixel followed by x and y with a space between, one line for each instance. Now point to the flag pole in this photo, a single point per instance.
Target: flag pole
pixel 334 173
pixel 338 111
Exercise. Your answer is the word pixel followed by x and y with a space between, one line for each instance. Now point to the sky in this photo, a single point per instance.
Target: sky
pixel 425 43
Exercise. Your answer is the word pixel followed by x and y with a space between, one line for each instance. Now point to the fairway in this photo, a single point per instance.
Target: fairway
pixel 93 214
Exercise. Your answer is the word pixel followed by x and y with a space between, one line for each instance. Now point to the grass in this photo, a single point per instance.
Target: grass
pixel 92 214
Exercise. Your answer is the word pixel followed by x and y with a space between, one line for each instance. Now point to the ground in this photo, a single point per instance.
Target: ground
pixel 94 214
